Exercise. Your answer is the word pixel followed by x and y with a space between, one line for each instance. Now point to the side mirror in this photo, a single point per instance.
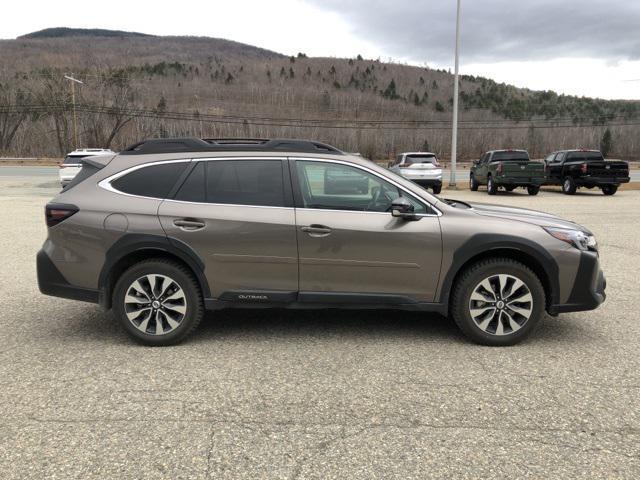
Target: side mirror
pixel 402 208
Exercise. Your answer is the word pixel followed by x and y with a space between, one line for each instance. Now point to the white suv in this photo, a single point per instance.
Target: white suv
pixel 70 166
pixel 419 167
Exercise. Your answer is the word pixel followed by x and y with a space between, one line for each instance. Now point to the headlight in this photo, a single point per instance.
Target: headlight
pixel 580 240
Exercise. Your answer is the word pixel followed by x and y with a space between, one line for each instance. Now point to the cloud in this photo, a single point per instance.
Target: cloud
pixel 496 30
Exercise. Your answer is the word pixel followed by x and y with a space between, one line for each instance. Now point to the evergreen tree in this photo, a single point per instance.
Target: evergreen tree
pixel 606 144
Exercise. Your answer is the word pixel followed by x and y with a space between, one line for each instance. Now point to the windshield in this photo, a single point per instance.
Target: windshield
pixel 585 156
pixel 420 158
pixel 510 156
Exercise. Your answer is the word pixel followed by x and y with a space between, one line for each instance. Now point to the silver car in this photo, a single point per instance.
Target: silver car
pixel 71 164
pixel 169 228
pixel 422 168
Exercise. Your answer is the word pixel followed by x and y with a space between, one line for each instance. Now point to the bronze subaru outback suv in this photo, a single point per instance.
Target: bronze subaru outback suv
pixel 169 228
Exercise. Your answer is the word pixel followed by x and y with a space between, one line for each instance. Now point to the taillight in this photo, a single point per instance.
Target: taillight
pixel 583 168
pixel 499 168
pixel 57 213
pixel 436 163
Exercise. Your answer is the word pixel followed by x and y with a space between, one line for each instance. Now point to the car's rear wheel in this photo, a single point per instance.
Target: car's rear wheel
pixel 609 189
pixel 533 190
pixel 497 302
pixel 437 189
pixel 492 188
pixel 568 186
pixel 158 301
pixel 473 183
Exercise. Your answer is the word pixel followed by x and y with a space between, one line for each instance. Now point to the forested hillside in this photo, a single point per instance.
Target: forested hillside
pixel 137 86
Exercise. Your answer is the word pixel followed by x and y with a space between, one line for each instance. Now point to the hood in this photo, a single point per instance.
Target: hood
pixel 525 215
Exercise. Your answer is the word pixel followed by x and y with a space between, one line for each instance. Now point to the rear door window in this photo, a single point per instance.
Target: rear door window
pixel 237 182
pixel 155 181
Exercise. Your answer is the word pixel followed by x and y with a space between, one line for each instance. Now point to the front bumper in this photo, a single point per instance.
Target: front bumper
pixel 51 282
pixel 588 290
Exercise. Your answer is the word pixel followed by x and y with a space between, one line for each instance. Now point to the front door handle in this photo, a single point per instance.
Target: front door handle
pixel 317 230
pixel 189 224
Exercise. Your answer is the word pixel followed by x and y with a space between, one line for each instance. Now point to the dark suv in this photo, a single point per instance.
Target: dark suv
pixel 168 228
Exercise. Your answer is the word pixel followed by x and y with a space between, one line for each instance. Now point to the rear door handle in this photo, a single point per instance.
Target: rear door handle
pixel 189 224
pixel 317 230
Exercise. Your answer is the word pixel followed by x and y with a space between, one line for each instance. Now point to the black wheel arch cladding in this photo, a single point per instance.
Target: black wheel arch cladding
pixel 483 244
pixel 135 243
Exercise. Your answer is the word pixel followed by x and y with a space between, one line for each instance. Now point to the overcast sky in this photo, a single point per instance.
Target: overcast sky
pixel 580 47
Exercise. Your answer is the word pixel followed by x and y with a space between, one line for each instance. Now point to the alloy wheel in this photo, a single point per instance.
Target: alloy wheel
pixel 501 304
pixel 155 304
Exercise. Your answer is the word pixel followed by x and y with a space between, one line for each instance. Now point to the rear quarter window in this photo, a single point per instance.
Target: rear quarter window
pixel 154 181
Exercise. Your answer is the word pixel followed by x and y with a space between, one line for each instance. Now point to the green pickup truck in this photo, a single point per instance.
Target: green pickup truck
pixel 508 169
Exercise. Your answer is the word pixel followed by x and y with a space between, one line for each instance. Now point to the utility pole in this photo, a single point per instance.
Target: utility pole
pixel 454 129
pixel 73 101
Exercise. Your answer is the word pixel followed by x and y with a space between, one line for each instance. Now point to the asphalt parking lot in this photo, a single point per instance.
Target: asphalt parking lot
pixel 286 394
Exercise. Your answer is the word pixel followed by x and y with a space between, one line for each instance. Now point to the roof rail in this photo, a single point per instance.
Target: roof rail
pixel 187 144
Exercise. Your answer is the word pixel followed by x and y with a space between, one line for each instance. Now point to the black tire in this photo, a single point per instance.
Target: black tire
pixel 569 186
pixel 492 188
pixel 533 190
pixel 473 183
pixel 509 189
pixel 191 299
pixel 464 287
pixel 609 189
pixel 437 189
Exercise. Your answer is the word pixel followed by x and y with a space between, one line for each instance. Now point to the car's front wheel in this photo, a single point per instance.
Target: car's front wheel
pixel 437 189
pixel 158 301
pixel 473 183
pixel 609 189
pixel 492 188
pixel 497 302
pixel 533 189
pixel 569 186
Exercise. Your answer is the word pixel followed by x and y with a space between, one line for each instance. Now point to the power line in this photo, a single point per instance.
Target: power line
pixel 352 123
pixel 304 123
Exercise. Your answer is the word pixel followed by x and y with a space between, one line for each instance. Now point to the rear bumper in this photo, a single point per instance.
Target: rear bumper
pixel 51 282
pixel 594 181
pixel 427 182
pixel 519 182
pixel 588 290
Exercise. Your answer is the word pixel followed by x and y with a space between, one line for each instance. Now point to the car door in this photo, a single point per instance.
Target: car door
pixel 555 168
pixel 237 215
pixel 351 250
pixel 482 168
